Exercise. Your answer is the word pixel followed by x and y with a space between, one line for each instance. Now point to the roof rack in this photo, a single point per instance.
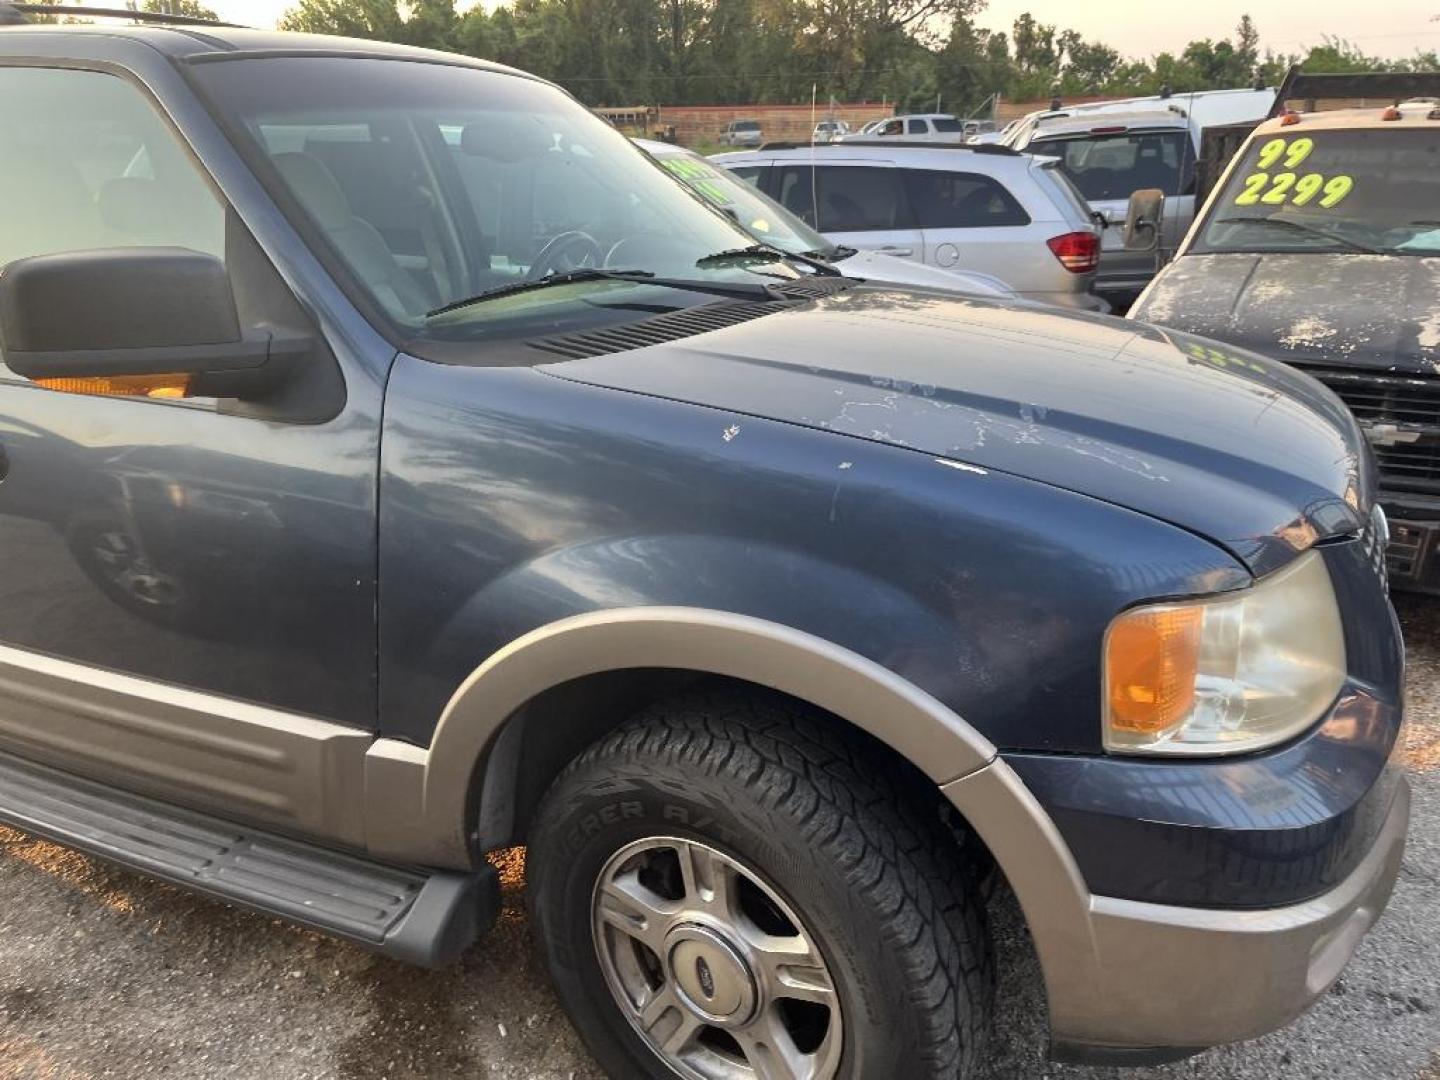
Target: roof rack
pixel 15 13
pixel 974 148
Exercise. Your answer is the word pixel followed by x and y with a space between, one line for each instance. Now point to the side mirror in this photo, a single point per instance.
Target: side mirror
pixel 136 321
pixel 1142 220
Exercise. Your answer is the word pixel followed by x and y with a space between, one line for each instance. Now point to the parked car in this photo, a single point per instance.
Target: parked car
pixel 1320 248
pixel 828 131
pixel 400 466
pixel 770 223
pixel 916 127
pixel 741 133
pixel 987 209
pixel 1001 136
pixel 1111 149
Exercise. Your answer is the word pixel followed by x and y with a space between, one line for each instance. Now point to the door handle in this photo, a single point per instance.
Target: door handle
pixel 893 249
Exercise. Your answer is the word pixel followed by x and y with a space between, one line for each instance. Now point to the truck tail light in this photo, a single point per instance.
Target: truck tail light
pixel 1078 252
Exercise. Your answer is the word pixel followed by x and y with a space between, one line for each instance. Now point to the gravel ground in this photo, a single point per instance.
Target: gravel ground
pixel 105 974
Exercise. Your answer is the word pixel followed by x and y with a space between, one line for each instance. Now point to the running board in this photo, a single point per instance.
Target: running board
pixel 422 917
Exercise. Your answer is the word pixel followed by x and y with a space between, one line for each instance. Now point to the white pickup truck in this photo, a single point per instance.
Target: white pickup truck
pixel 914 127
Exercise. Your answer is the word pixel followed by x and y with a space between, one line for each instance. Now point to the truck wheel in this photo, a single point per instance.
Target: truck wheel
pixel 725 887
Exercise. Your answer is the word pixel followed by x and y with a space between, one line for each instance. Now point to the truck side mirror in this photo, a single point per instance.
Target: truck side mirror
pixel 155 322
pixel 1142 220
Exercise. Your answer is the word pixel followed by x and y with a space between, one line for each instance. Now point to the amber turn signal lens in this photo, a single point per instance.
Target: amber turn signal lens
pixel 1151 659
pixel 151 386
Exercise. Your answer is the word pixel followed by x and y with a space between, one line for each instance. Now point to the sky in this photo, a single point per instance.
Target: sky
pixel 1292 27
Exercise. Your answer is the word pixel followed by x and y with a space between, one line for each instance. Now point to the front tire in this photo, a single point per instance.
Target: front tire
pixel 727 886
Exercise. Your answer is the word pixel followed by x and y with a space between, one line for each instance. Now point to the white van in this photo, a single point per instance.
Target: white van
pixel 1113 148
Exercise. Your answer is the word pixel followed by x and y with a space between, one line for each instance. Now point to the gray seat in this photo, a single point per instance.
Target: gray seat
pixel 358 242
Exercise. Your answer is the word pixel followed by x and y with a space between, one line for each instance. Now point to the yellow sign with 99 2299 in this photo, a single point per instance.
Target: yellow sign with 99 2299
pixel 1296 189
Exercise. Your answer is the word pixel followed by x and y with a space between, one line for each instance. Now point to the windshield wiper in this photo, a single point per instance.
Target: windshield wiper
pixel 834 254
pixel 739 289
pixel 822 268
pixel 1295 226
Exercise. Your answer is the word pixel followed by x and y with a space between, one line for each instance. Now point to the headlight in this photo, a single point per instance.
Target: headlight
pixel 1226 675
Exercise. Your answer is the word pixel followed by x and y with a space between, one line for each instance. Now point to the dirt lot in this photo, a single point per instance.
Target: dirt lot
pixel 104 974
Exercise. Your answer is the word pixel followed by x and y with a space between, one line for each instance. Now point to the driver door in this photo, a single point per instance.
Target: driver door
pixel 188 593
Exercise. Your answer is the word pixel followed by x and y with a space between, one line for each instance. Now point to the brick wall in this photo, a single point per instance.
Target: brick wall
pixel 703 123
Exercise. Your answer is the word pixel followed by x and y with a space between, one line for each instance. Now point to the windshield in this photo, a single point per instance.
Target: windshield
pixel 1370 190
pixel 764 219
pixel 1109 167
pixel 433 183
pixel 747 125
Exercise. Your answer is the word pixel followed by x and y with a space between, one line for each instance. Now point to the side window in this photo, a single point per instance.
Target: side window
pixel 916 127
pixel 1112 166
pixel 89 163
pixel 845 198
pixel 893 127
pixel 955 200
pixel 751 174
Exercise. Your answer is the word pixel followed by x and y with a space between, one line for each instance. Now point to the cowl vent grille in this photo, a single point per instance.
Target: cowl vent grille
pixel 671 326
pixel 812 287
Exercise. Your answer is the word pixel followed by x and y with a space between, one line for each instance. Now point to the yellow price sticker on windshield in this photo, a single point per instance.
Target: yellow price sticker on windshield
pixel 698 177
pixel 1278 151
pixel 1287 187
pixel 1336 188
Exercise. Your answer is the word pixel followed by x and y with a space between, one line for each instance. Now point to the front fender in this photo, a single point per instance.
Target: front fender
pixel 418 804
pixel 421 805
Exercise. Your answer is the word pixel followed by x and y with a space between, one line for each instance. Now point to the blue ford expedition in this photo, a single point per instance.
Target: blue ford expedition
pixel 398 465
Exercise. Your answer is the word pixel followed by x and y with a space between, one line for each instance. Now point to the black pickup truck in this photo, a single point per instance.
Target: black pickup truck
pixel 397 465
pixel 1320 247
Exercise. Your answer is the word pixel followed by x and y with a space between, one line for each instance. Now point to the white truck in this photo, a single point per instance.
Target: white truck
pixel 914 127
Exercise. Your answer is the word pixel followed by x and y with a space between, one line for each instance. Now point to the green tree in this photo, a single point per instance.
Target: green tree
pixel 1338 55
pixel 192 8
pixel 1090 67
pixel 378 19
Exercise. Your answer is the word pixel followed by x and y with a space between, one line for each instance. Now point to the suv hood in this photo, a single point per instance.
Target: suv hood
pixel 1259 458
pixel 1348 310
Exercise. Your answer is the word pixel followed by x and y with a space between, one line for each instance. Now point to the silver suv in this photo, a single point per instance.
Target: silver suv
pixel 959 208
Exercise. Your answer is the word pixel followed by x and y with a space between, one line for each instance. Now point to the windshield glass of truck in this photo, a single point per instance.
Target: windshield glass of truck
pixel 765 220
pixel 1368 190
pixel 1111 166
pixel 434 183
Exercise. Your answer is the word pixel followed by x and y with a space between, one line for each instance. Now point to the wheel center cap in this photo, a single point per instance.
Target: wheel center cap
pixel 712 978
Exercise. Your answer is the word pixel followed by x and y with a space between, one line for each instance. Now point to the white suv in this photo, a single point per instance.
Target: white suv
pixel 741 133
pixel 960 208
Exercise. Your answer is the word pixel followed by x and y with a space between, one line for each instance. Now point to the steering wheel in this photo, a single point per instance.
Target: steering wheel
pixel 567 251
